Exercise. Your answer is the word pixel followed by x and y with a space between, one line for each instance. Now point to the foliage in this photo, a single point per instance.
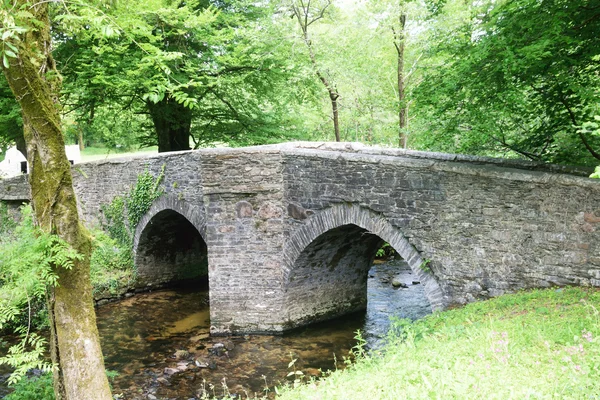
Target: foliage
pixel 40 387
pixel 11 124
pixel 206 65
pixel 487 77
pixel 111 266
pixel 535 344
pixel 295 375
pixel 124 212
pixel 516 78
pixel 111 127
pixel 424 266
pixel 386 251
pixel 28 259
pixel 116 222
pixel 7 222
pixel 33 388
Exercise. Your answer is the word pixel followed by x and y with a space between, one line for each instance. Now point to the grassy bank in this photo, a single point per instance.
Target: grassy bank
pixel 532 345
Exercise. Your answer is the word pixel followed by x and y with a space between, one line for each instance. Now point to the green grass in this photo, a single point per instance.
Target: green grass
pixel 101 153
pixel 541 344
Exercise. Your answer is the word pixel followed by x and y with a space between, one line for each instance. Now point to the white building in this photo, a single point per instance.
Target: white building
pixel 15 163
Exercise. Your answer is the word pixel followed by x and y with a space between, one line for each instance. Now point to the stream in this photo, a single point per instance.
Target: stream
pixel 159 342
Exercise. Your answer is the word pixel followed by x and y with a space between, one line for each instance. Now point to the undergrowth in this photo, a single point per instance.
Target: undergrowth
pixel 28 257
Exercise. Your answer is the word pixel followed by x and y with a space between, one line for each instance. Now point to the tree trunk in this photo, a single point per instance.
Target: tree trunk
pixel 80 140
pixel 336 121
pixel 172 122
pixel 304 20
pixel 75 345
pixel 333 94
pixel 21 145
pixel 399 39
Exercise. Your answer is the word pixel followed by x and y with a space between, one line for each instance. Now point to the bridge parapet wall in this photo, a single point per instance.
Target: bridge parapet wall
pixel 99 182
pixel 14 192
pixel 375 151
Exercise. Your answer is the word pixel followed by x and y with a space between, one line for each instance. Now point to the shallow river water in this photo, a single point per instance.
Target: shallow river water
pixel 159 345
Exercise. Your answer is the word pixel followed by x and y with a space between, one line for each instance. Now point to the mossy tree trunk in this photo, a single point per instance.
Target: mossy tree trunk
pixel 75 344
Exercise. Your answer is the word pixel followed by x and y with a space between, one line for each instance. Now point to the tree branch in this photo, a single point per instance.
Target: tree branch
pixel 589 148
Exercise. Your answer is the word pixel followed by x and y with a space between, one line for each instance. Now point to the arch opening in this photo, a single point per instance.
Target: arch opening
pixel 170 250
pixel 328 261
pixel 329 277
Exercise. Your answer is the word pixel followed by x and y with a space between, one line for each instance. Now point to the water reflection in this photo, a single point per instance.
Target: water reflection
pixel 159 342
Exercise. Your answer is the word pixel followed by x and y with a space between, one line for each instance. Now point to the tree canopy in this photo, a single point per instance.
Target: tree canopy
pixel 511 78
pixel 519 77
pixel 206 71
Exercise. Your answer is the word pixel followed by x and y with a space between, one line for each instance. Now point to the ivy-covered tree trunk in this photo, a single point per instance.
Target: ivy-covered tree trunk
pixel 172 122
pixel 32 76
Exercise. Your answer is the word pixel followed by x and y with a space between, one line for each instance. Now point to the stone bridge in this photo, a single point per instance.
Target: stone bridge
pixel 288 232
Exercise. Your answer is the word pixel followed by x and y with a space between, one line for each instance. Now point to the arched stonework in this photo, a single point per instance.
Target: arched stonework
pixel 349 235
pixel 169 243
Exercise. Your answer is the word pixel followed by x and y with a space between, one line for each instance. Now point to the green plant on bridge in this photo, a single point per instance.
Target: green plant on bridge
pixel 424 266
pixel 124 213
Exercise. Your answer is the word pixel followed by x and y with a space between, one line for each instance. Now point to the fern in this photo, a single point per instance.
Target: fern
pixel 28 262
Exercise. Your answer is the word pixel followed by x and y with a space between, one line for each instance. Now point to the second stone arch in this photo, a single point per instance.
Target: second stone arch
pixel 327 259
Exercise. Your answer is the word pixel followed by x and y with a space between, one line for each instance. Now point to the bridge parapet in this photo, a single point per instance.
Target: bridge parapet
pixel 15 189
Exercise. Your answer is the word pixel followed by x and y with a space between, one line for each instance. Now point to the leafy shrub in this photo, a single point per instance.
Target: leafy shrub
pixel 111 265
pixel 33 388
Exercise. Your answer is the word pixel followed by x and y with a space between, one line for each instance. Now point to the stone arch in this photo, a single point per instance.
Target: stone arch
pixel 169 243
pixel 334 232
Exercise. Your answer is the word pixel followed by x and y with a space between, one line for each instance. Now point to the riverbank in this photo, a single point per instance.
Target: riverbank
pixel 538 344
